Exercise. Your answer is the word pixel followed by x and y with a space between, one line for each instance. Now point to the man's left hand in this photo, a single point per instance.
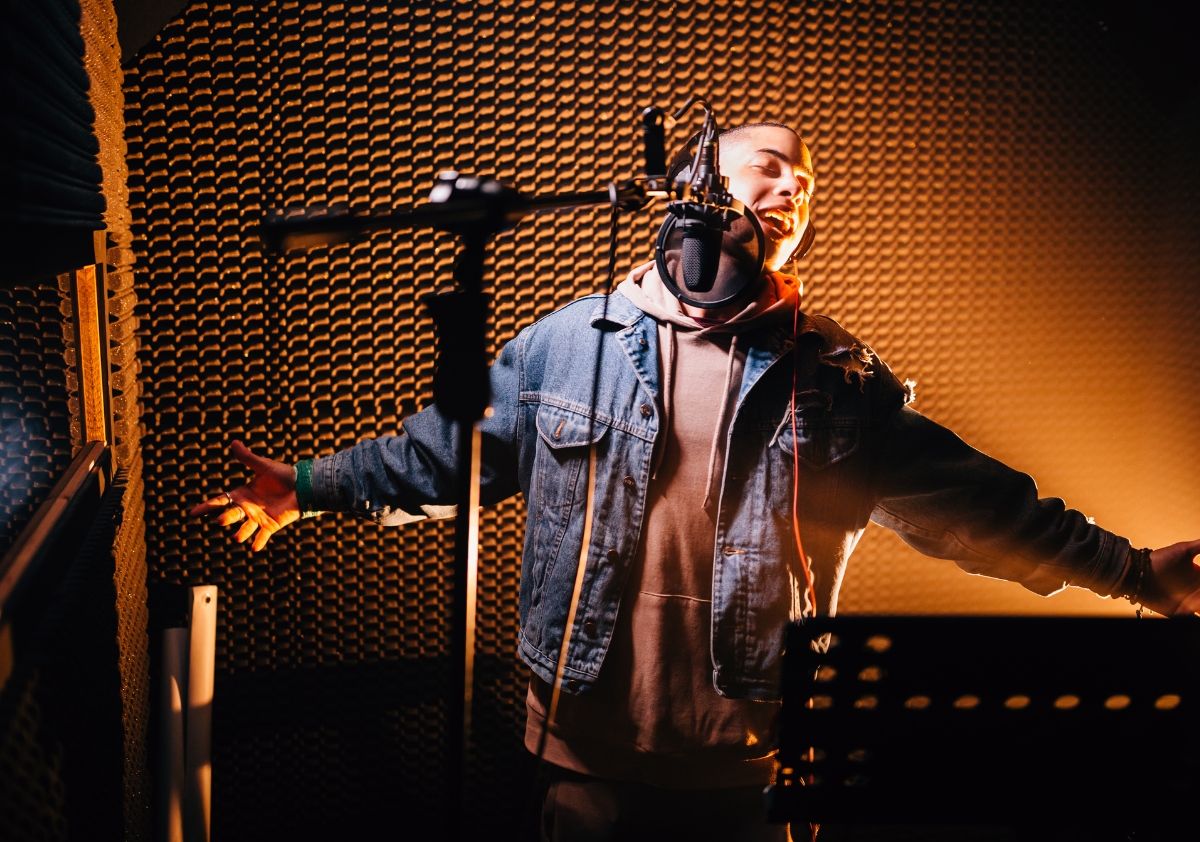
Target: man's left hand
pixel 1172 586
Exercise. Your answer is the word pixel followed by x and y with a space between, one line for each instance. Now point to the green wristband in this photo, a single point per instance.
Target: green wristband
pixel 304 489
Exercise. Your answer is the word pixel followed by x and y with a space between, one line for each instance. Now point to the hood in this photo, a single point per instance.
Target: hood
pixel 774 304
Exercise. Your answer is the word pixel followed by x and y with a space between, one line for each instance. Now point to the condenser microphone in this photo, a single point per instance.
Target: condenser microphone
pixel 702 222
pixel 700 249
pixel 710 250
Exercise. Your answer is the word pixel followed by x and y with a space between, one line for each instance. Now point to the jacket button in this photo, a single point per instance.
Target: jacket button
pixel 646 410
pixel 629 482
pixel 613 556
pixel 589 628
pixel 573 684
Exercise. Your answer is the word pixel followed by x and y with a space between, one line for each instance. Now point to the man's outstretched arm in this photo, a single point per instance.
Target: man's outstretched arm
pixel 950 501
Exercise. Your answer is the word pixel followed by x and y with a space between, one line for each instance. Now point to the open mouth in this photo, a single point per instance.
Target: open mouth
pixel 779 221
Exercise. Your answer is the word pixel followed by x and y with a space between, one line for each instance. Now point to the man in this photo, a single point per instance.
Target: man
pixel 709 428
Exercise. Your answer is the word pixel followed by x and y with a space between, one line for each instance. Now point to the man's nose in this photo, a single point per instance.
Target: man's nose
pixel 789 187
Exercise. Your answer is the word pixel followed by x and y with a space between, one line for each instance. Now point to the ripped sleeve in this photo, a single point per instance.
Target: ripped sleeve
pixel 948 500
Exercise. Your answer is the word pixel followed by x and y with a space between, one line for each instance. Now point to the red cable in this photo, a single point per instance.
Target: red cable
pixel 808 579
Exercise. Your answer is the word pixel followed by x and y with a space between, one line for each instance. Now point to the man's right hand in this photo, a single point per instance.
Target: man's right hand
pixel 267 503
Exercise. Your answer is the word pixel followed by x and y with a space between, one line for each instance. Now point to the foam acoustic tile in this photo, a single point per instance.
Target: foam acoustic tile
pixel 98 25
pixel 35 416
pixel 33 808
pixel 40 425
pixel 970 229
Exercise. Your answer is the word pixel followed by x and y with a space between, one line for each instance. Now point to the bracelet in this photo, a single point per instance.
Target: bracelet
pixel 304 488
pixel 1135 577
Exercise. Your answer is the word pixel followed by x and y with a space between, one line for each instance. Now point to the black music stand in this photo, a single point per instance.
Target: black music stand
pixel 1017 721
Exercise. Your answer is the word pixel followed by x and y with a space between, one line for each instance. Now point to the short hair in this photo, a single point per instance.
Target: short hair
pixel 684 155
pixel 733 131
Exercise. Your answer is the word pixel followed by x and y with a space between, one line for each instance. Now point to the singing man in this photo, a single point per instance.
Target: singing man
pixel 724 440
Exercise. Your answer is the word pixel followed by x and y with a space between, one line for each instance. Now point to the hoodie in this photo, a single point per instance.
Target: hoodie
pixel 655 715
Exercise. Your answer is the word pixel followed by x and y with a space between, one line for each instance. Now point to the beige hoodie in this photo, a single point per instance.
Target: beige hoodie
pixel 654 715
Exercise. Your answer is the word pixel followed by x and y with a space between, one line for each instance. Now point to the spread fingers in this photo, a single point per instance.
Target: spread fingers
pixel 261 539
pixel 231 516
pixel 246 531
pixel 258 521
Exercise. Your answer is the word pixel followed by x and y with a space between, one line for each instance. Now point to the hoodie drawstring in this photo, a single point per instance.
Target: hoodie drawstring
pixel 714 451
pixel 668 402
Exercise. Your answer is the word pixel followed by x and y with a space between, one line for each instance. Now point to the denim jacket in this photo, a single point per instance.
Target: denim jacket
pixel 864 455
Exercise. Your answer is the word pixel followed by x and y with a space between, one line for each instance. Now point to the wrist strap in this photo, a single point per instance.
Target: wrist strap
pixel 304 489
pixel 1136 577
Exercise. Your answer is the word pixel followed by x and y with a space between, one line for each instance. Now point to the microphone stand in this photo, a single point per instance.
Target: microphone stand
pixel 475 210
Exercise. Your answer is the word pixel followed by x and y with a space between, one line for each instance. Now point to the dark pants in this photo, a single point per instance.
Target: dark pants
pixel 579 808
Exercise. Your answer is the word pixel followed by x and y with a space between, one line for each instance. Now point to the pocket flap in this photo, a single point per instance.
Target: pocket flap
pixel 560 427
pixel 819 444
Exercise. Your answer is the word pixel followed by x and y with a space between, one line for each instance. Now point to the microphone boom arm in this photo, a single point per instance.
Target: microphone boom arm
pixel 465 203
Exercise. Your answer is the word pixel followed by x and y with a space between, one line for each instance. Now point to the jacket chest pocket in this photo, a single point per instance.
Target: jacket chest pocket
pixel 562 453
pixel 819 444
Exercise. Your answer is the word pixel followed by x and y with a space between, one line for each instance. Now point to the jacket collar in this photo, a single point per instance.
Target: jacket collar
pixel 620 311
pixel 764 349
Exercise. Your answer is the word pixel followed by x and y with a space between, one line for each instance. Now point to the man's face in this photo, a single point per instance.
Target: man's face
pixel 766 173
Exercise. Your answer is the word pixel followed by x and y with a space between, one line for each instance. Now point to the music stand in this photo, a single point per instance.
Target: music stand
pixel 990 720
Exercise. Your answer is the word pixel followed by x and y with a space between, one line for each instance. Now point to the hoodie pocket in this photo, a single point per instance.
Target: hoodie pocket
pixel 819 444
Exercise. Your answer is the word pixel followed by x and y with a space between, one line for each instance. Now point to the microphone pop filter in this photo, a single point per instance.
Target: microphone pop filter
pixel 709 256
